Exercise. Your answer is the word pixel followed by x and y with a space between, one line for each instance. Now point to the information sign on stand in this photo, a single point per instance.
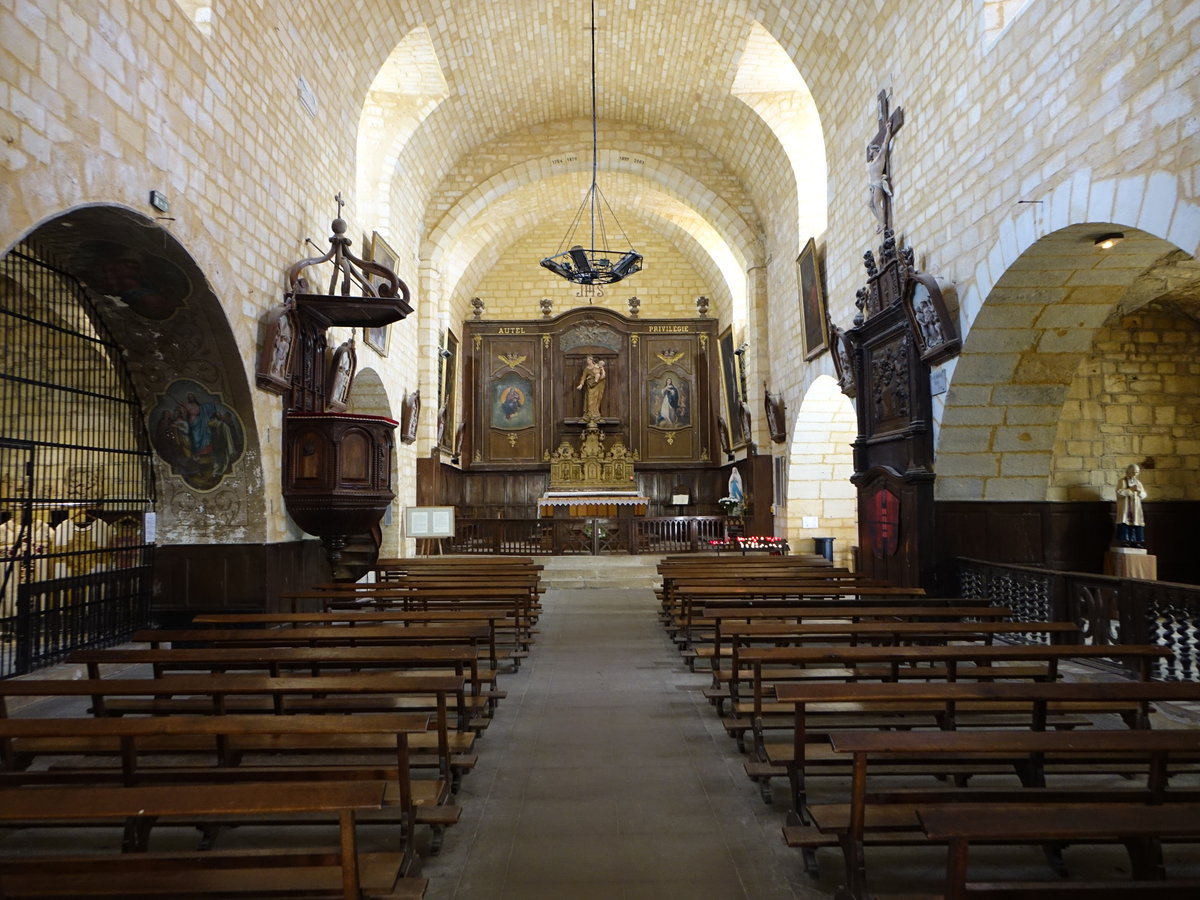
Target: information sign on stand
pixel 429 523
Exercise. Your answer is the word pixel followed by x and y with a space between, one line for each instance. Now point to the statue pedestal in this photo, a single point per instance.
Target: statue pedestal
pixel 579 422
pixel 1131 562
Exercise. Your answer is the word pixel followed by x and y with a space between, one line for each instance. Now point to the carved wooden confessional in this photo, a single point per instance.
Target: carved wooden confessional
pixel 884 362
pixel 902 329
pixel 337 465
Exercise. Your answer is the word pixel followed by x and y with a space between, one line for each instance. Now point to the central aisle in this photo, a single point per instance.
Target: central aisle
pixel 605 775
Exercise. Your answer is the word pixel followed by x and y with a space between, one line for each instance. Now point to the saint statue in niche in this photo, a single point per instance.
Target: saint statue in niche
pixel 592 383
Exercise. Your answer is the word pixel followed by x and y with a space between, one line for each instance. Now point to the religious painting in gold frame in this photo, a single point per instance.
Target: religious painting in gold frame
pixel 447 400
pixel 813 310
pixel 730 388
pixel 377 338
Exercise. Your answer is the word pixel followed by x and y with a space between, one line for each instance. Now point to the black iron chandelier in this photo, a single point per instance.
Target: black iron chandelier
pixel 597 264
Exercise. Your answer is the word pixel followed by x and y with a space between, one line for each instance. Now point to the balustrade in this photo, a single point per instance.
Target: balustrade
pixel 1108 610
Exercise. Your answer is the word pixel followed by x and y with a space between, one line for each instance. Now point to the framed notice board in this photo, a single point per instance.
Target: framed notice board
pixel 429 521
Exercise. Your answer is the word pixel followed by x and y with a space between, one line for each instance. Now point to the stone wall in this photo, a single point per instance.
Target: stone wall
pixel 1078 111
pixel 1136 399
pixel 668 286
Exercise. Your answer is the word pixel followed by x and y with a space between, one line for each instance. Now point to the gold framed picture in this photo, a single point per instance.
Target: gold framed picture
pixel 813 310
pixel 377 338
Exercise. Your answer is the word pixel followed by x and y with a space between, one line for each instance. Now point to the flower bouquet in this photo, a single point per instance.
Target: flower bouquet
pixel 732 506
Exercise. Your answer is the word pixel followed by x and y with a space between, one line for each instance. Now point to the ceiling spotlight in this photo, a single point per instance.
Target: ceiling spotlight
pixel 627 264
pixel 1110 240
pixel 583 265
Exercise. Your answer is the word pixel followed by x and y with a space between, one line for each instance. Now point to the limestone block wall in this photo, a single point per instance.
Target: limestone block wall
pixel 100 102
pixel 668 286
pixel 1060 113
pixel 1136 399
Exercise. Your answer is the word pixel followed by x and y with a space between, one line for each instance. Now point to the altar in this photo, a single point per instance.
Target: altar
pixel 592 503
pixel 592 481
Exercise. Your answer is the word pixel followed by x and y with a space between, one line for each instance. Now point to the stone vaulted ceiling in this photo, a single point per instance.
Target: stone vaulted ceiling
pixel 483 102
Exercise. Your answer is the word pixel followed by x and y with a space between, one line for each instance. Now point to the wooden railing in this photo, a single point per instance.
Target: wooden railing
pixel 564 536
pixel 1108 610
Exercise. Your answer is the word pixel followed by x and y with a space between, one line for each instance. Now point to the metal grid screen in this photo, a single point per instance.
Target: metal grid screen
pixel 76 491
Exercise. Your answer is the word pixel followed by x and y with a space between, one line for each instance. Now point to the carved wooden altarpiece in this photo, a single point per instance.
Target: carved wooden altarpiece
pixel 524 393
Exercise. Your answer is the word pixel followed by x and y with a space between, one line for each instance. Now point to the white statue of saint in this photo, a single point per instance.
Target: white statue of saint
pixel 1131 524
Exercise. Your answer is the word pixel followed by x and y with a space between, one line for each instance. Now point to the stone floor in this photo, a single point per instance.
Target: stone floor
pixel 605 775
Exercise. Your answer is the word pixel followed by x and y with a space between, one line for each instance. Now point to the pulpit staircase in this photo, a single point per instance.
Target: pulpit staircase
pixel 358 557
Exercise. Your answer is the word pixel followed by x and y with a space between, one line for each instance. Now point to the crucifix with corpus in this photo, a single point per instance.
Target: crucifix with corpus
pixel 879 153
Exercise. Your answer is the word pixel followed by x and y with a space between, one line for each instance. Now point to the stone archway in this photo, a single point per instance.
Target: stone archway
pixel 175 337
pixel 1021 355
pixel 1078 364
pixel 128 433
pixel 820 463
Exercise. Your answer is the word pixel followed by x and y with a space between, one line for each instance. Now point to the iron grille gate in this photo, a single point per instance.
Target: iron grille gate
pixel 76 489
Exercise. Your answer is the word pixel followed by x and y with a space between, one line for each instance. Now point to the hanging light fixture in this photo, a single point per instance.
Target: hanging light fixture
pixel 596 264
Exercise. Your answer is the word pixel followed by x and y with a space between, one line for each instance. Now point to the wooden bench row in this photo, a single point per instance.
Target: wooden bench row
pixel 941 707
pixel 314 873
pixel 349 699
pixel 961 754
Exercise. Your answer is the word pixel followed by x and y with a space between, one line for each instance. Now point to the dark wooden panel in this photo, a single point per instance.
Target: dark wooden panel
pixel 210 577
pixel 1171 534
pixel 1077 535
pixel 514 495
pixel 1018 527
pixel 961 529
pixel 1062 536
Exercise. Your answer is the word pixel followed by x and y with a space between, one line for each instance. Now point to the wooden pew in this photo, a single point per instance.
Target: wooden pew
pixel 763 669
pixel 756 671
pixel 700 568
pixel 487 617
pixel 675 586
pixel 768 669
pixel 458 661
pixel 219 743
pixel 474 636
pixel 889 632
pixel 895 816
pixel 892 632
pixel 1038 699
pixel 731 616
pixel 689 600
pixel 519 605
pixel 219 695
pixel 336 872
pixel 1140 828
pixel 472 564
